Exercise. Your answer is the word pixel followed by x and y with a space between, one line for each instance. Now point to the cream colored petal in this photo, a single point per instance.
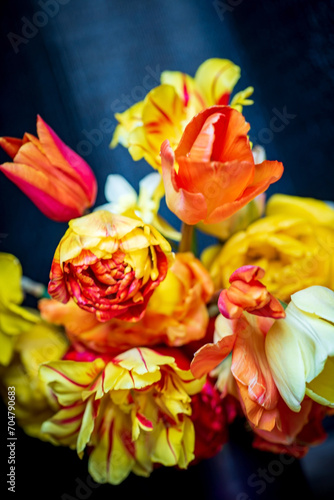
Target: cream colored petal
pixel 119 191
pixel 317 300
pixel 295 354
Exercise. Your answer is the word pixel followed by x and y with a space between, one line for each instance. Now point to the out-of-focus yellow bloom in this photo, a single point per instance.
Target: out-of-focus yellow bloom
pixel 14 319
pixel 167 109
pixel 300 348
pixel 124 200
pixel 33 401
pixel 132 411
pixel 110 265
pixel 293 243
pixel 315 211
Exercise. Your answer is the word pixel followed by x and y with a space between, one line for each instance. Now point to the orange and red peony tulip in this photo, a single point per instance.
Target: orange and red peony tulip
pixel 110 265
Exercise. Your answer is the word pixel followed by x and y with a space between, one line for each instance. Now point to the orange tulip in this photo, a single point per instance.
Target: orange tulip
pixel 57 180
pixel 243 334
pixel 212 173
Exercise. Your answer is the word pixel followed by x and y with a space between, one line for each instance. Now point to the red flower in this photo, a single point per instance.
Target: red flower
pixel 210 422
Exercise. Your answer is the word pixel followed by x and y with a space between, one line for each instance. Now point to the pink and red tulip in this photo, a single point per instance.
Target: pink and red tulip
pixel 57 180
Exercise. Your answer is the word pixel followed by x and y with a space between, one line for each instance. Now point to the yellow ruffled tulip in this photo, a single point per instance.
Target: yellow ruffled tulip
pixel 166 110
pixel 300 348
pixel 14 319
pixel 293 243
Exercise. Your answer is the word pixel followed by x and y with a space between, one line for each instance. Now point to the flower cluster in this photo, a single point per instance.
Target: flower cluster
pixel 142 352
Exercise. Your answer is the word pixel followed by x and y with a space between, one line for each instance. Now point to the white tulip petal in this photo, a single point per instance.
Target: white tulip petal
pixel 117 187
pixel 149 184
pixel 300 348
pixel 286 363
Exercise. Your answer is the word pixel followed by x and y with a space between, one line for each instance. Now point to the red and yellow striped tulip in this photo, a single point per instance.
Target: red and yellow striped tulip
pixel 132 411
pixel 167 109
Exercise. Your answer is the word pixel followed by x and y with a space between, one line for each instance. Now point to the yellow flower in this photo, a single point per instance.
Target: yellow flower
pixel 167 109
pixel 293 243
pixel 33 402
pixel 132 411
pixel 123 200
pixel 300 348
pixel 14 319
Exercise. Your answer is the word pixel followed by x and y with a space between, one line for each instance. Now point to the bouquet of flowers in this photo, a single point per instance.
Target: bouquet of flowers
pixel 141 352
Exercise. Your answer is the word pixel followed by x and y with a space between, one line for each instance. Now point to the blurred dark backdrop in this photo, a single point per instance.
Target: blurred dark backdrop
pixel 74 63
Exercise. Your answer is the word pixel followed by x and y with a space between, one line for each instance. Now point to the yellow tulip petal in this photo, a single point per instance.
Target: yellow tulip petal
pixel 166 229
pixel 186 88
pixel 310 209
pixel 142 360
pixel 110 461
pixel 321 389
pixel 87 426
pixel 163 115
pixel 102 224
pixel 64 427
pixel 10 279
pixel 133 241
pixel 129 120
pixel 68 379
pixel 215 78
pixel 167 296
pixel 241 99
pixel 169 443
pixel 6 348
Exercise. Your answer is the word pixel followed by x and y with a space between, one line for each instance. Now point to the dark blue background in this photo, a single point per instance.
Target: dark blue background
pixel 74 71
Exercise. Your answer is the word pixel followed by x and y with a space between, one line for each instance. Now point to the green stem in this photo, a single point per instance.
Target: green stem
pixel 38 290
pixel 186 237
